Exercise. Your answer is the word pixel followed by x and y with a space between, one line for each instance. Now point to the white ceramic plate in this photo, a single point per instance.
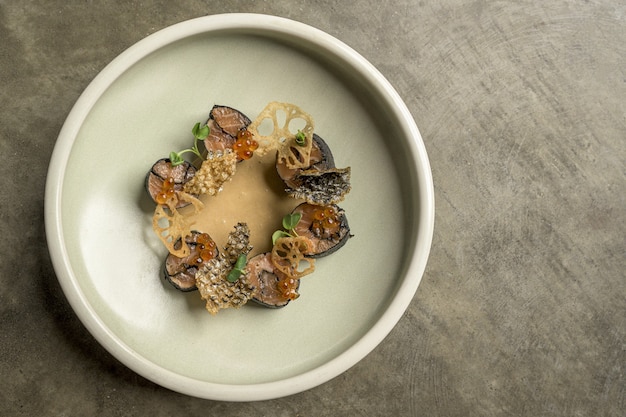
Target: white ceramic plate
pixel 98 218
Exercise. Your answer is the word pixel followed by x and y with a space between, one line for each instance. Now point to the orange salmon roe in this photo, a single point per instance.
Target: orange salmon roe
pixel 326 221
pixel 167 191
pixel 289 288
pixel 203 251
pixel 245 145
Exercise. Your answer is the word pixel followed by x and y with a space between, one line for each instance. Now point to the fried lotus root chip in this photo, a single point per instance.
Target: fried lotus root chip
pixel 216 170
pixel 283 135
pixel 322 187
pixel 288 256
pixel 212 281
pixel 171 226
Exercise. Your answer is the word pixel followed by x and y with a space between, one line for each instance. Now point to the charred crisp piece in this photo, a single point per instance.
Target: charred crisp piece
pixel 217 291
pixel 238 243
pixel 215 288
pixel 322 187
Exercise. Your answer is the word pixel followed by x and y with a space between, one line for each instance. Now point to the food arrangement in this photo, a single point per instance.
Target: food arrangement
pixel 234 250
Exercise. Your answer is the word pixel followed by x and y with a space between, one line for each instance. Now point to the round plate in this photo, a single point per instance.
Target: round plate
pixel 142 106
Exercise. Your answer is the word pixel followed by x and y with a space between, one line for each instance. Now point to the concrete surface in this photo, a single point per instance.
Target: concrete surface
pixel 521 312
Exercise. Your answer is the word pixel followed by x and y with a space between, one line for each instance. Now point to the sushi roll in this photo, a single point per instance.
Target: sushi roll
pixel 272 289
pixel 224 124
pixel 325 226
pixel 164 176
pixel 181 272
pixel 321 159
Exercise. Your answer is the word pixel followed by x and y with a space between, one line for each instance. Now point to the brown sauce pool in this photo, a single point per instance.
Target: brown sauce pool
pixel 255 195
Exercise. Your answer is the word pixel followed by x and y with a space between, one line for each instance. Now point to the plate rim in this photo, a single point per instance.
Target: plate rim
pixel 422 228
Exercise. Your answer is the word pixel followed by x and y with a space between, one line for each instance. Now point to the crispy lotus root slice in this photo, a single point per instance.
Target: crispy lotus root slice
pixel 288 256
pixel 283 135
pixel 322 187
pixel 171 226
pixel 217 169
pixel 217 291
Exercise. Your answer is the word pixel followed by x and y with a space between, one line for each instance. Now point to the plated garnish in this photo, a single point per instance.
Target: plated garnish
pixel 248 217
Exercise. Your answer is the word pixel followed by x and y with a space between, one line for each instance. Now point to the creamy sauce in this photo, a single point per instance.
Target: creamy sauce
pixel 256 196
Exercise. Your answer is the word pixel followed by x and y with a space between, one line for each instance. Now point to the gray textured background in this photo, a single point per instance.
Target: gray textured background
pixel 522 106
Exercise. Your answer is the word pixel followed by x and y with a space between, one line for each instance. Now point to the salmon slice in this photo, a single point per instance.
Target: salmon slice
pixel 229 120
pixel 218 140
pixel 323 243
pixel 162 170
pixel 262 276
pixel 224 124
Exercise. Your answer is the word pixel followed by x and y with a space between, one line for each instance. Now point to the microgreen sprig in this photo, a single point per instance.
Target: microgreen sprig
pixel 199 133
pixel 238 269
pixel 290 221
pixel 300 138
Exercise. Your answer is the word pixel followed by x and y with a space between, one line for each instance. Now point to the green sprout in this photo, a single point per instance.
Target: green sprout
pixel 300 138
pixel 238 269
pixel 199 133
pixel 290 221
